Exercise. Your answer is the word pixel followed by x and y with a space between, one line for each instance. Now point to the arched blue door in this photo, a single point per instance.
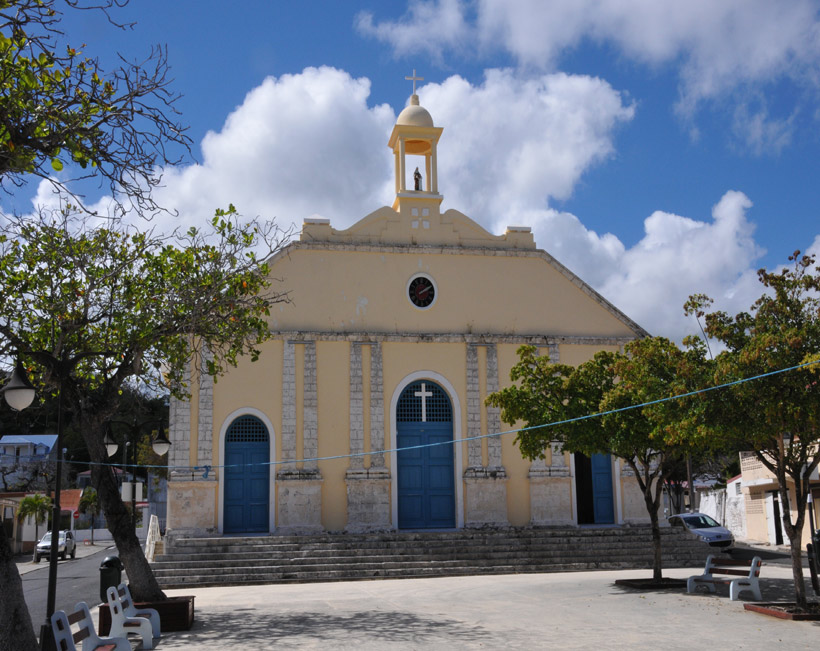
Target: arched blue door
pixel 425 475
pixel 247 476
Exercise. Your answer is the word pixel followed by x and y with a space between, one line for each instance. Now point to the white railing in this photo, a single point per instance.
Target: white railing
pixel 152 538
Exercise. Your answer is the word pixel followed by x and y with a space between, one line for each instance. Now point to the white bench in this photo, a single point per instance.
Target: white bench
pixel 131 610
pixel 122 624
pixel 748 570
pixel 66 639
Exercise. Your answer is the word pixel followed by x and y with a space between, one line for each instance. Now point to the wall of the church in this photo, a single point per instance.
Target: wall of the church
pixel 477 290
pixel 329 390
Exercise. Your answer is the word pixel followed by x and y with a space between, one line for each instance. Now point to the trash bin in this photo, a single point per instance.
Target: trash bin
pixel 110 572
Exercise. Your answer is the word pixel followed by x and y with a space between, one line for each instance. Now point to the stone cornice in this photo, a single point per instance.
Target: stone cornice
pixel 447 338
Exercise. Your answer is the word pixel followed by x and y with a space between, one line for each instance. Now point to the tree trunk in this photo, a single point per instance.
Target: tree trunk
pixel 794 530
pixel 16 631
pixel 141 580
pixel 797 571
pixel 36 540
pixel 652 503
pixel 657 563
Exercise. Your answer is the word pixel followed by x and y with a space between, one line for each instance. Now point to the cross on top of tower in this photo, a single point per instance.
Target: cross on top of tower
pixel 414 79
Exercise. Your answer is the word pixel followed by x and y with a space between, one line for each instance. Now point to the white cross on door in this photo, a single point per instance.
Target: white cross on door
pixel 424 394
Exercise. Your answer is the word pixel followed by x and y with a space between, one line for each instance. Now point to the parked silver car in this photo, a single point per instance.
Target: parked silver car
pixel 704 527
pixel 66 546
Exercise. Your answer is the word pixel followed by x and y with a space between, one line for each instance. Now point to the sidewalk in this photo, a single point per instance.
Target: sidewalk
pixel 575 610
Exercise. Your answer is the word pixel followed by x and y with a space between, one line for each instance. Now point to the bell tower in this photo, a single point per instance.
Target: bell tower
pixel 416 136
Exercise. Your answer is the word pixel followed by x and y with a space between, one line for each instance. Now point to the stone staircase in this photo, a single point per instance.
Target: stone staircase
pixel 227 560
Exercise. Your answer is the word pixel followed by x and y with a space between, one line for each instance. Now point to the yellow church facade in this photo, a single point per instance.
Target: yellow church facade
pixel 366 409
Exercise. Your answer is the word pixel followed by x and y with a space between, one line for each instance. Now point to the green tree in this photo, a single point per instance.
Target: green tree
pixel 90 503
pixel 648 439
pixel 60 110
pixel 64 118
pixel 776 417
pixel 37 507
pixel 93 309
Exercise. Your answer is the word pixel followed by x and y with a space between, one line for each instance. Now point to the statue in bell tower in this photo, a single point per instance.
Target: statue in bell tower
pixel 417 178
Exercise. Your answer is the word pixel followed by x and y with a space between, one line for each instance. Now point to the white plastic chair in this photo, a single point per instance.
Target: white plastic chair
pixel 65 639
pixel 131 610
pixel 122 624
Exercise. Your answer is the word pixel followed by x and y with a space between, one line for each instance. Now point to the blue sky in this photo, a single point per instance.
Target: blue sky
pixel 657 148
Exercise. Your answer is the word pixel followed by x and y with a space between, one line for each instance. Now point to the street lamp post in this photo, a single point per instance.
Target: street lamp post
pixel 19 393
pixel 160 445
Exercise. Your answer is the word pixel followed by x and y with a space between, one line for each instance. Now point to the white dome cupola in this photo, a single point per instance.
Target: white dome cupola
pixel 415 135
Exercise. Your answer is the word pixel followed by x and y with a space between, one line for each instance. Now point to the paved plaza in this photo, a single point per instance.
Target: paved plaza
pixel 569 610
pixel 576 610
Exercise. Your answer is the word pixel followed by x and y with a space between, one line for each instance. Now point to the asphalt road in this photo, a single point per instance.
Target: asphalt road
pixel 77 580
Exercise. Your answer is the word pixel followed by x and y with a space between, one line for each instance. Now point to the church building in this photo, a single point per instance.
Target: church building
pixel 366 409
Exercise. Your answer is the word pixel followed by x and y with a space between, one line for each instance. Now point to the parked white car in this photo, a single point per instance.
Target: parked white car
pixel 66 546
pixel 704 527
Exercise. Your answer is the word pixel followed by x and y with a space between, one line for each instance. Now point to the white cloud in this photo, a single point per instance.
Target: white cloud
pixel 298 145
pixel 428 27
pixel 308 143
pixel 679 256
pixel 759 132
pixel 511 144
pixel 718 48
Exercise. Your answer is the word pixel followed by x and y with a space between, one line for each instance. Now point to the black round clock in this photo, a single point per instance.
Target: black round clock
pixel 421 291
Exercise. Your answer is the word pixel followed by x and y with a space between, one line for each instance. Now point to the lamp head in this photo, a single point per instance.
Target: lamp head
pixel 109 442
pixel 161 444
pixel 19 392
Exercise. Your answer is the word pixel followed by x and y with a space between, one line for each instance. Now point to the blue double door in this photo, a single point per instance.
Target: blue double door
pixel 425 466
pixel 247 477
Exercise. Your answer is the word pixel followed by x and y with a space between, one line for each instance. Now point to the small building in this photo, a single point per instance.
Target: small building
pixel 23 458
pixel 763 509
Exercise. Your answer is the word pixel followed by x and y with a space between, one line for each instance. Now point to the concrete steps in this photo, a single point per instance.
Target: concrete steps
pixel 188 562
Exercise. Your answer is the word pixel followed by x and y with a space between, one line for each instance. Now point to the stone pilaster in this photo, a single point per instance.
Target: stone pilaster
pixel 368 500
pixel 368 489
pixel 300 502
pixel 558 466
pixel 376 407
pixel 356 408
pixel 288 406
pixel 179 433
pixel 493 413
pixel 486 498
pixel 474 460
pixel 205 426
pixel 551 490
pixel 299 489
pixel 310 419
pixel 485 486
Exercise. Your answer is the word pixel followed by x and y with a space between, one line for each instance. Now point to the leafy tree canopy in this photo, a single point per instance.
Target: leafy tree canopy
pixel 63 115
pixel 609 405
pixel 93 309
pixel 776 417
